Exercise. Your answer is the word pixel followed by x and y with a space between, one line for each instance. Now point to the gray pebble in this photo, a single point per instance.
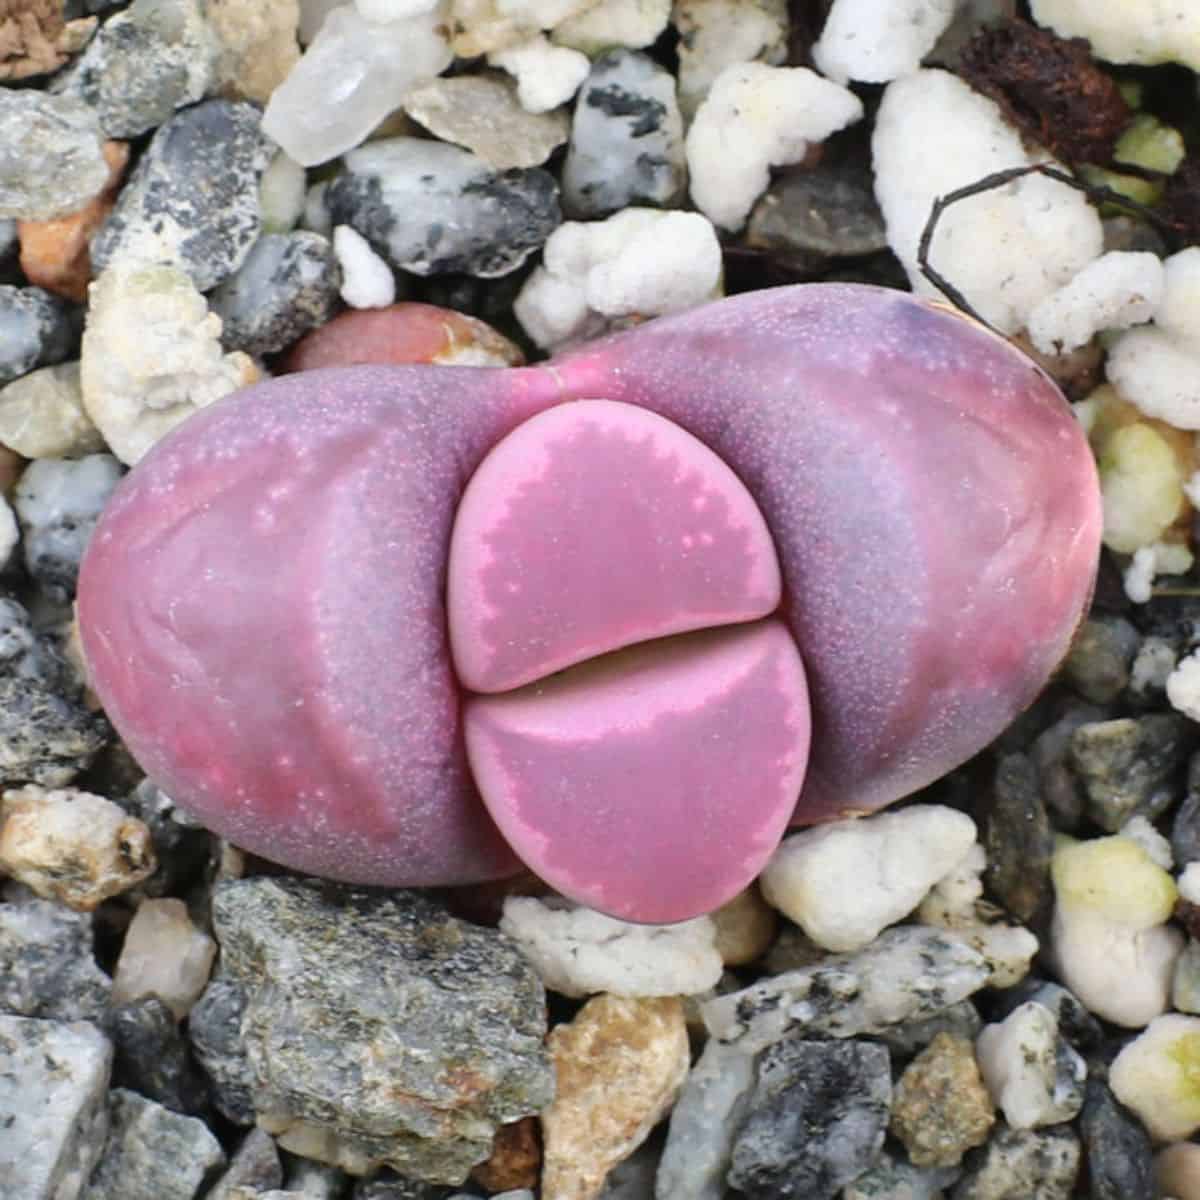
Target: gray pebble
pixel 907 973
pixel 1129 766
pixel 1098 665
pixel 152 1057
pixel 58 502
pixel 1018 839
pixel 47 736
pixel 1185 828
pixel 152 1153
pixel 896 1179
pixel 704 1123
pixel 37 329
pixel 326 970
pixel 312 1180
pixel 51 156
pixel 1022 1164
pixel 193 201
pixel 255 1164
pixel 626 139
pixel 432 209
pixel 810 217
pixel 53 1087
pixel 816 1119
pixel 1119 1155
pixel 214 1030
pixel 387 1185
pixel 287 286
pixel 1051 754
pixel 1185 983
pixel 47 968
pixel 143 64
pixel 909 1038
pixel 183 847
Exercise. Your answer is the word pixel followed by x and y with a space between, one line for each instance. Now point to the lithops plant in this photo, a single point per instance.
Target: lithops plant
pixel 272 606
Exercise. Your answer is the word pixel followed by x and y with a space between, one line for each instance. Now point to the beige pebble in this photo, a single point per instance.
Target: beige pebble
pixel 164 955
pixel 618 1068
pixel 258 45
pixel 72 846
pixel 41 415
pixel 746 927
pixel 1177 1171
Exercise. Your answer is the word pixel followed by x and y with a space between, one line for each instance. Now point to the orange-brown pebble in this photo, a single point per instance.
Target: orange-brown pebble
pixel 54 254
pixel 404 333
pixel 516 1158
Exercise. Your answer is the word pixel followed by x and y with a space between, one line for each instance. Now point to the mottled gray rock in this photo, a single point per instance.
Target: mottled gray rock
pixel 387 1185
pixel 58 502
pixel 1101 653
pixel 37 329
pixel 143 64
pixel 313 1180
pixel 1185 983
pixel 46 964
pixel 152 1058
pixel 1120 1159
pixel 287 285
pixel 911 1037
pixel 192 202
pixel 51 157
pixel 908 973
pixel 53 1115
pixel 255 1164
pixel 1018 839
pixel 214 1029
pixel 152 1153
pixel 894 1179
pixel 815 1121
pixel 378 1029
pixel 704 1122
pixel 811 216
pixel 47 736
pixel 631 1179
pixel 434 209
pixel 1129 766
pixel 1022 1164
pixel 626 139
pixel 481 114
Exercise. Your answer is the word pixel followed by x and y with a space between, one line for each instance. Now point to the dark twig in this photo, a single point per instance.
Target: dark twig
pixel 1094 191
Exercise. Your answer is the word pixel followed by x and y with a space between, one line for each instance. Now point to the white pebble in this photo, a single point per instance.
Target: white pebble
pixel 281 194
pixel 845 882
pixel 1145 33
pixel 1110 934
pixel 367 281
pixel 1158 368
pixel 1006 249
pixel 1033 1077
pixel 639 261
pixel 1157 1076
pixel 1117 290
pixel 577 951
pixel 164 955
pixel 876 41
pixel 756 117
pixel 1152 665
pixel 1148 562
pixel 1189 883
pixel 546 75
pixel 633 24
pixel 384 11
pixel 9 532
pixel 1157 847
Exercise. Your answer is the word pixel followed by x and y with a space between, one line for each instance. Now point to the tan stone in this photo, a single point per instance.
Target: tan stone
pixel 258 45
pixel 746 927
pixel 163 955
pixel 516 1157
pixel 41 415
pixel 34 38
pixel 72 846
pixel 941 1108
pixel 618 1068
pixel 54 254
pixel 1177 1171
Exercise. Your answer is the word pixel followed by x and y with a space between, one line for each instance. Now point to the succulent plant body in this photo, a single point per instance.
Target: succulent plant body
pixel 291 633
